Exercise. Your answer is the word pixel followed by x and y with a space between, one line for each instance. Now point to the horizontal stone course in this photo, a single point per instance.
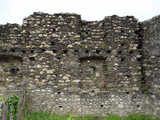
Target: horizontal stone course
pixel 85 67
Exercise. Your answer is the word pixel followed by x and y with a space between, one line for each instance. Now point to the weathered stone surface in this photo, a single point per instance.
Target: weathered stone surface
pixel 85 67
pixel 151 48
pixel 3 110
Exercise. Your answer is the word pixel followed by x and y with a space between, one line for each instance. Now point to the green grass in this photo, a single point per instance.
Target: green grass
pixel 131 117
pixel 49 116
pixel 44 116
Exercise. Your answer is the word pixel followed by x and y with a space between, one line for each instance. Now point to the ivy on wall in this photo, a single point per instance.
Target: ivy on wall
pixel 12 106
pixel 12 102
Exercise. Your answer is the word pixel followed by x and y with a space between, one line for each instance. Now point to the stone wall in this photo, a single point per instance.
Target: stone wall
pixel 68 65
pixel 151 48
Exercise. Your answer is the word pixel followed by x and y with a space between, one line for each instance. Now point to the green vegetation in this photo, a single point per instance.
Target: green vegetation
pixel 46 116
pixel 12 101
pixel 12 106
pixel 131 117
pixel 145 88
pixel 26 102
pixel 3 98
pixel 49 116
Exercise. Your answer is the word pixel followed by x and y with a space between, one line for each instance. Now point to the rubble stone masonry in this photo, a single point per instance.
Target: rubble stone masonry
pixel 69 65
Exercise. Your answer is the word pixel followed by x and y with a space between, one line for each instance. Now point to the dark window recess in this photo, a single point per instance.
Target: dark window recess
pixel 139 59
pixel 92 91
pixel 122 59
pixel 13 50
pixel 139 47
pixel 60 106
pixel 127 92
pixel 58 92
pixel 141 53
pixel 108 51
pixel 143 78
pixel 54 51
pixel 32 51
pixel 131 52
pixel 23 51
pixel 138 106
pixel 76 51
pixel 31 58
pixel 137 32
pixel 98 51
pixel 65 51
pixel 87 33
pixel 101 105
pixel 86 51
pixel 122 44
pixel 14 71
pixel 119 52
pixel 134 97
pixel 122 31
pixel 58 58
pixel 53 30
pixel 52 43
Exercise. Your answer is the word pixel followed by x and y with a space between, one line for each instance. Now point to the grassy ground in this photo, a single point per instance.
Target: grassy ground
pixel 47 116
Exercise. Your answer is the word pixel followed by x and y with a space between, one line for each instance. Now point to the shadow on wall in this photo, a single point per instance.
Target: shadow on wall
pixel 93 69
pixel 9 66
pixel 10 59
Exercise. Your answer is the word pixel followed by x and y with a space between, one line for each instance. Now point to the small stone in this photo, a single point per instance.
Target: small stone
pixel 65 77
pixel 69 46
pixel 49 71
pixel 40 35
pixel 120 106
pixel 77 81
pixel 148 73
pixel 38 66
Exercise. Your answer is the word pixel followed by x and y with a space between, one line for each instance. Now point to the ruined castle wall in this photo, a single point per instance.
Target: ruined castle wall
pixel 68 65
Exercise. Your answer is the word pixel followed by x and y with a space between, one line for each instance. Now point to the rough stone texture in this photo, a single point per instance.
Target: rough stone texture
pixel 3 110
pixel 151 48
pixel 68 65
